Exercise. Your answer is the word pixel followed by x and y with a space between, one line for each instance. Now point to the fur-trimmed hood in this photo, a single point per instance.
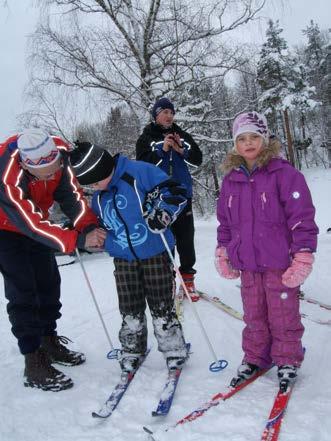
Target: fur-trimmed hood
pixel 233 160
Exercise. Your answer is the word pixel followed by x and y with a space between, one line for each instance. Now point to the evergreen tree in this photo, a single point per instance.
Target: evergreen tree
pixel 121 130
pixel 272 73
pixel 118 133
pixel 315 58
pixel 315 53
pixel 284 86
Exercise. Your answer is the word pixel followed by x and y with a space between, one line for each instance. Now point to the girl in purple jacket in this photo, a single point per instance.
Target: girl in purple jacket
pixel 266 235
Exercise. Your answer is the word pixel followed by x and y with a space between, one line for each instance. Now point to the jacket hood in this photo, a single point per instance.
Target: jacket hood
pixel 120 167
pixel 233 160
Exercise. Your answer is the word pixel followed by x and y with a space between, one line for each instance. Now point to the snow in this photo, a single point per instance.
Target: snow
pixel 34 415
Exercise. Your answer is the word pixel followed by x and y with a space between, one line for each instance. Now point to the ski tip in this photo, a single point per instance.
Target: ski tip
pixel 149 433
pixel 96 415
pixel 155 413
pixel 147 430
pixel 99 415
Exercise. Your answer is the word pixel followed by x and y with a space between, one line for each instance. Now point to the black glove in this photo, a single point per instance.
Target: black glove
pixel 158 220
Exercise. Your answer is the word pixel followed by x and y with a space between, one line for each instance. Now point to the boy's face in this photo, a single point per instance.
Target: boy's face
pixel 165 118
pixel 102 185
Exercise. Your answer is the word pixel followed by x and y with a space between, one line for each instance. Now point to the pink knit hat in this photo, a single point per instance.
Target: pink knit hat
pixel 37 148
pixel 251 122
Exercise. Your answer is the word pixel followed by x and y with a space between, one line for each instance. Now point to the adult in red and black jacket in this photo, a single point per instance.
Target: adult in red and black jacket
pixel 166 145
pixel 27 244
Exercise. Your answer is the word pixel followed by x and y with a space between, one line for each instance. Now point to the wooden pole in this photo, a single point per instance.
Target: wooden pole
pixel 289 138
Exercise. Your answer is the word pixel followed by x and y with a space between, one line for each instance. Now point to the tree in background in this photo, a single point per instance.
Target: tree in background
pixel 327 89
pixel 132 52
pixel 113 59
pixel 314 57
pixel 284 87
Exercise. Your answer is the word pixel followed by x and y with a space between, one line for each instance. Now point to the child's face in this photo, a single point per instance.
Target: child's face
pixel 102 185
pixel 249 146
pixel 44 173
pixel 165 118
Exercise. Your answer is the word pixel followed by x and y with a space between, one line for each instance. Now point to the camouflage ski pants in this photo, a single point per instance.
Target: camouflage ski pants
pixel 148 280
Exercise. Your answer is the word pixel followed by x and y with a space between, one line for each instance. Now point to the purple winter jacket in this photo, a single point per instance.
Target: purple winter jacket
pixel 266 217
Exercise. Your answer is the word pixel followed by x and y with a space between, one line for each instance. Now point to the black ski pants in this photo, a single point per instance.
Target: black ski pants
pixel 32 288
pixel 183 230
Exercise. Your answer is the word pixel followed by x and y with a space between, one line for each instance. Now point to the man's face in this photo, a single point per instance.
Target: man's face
pixel 44 173
pixel 165 118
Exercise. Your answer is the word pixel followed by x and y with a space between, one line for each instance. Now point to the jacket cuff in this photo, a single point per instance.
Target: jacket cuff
pixel 89 228
pixel 80 244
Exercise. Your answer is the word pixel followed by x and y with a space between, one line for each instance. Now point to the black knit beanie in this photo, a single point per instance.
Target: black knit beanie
pixel 91 163
pixel 162 104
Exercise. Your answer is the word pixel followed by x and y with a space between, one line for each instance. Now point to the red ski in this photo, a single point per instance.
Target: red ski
pixel 272 428
pixel 216 399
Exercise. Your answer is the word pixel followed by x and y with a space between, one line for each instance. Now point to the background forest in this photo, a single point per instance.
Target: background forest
pixel 96 67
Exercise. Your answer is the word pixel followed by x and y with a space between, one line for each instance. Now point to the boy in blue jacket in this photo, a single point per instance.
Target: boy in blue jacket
pixel 135 202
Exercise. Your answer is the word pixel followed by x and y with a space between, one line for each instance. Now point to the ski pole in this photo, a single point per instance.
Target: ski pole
pixel 217 365
pixel 113 352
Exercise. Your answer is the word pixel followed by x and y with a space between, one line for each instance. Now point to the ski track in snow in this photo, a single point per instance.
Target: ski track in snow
pixel 33 415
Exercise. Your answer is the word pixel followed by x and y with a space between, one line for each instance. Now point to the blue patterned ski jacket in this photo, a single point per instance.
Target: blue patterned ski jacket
pixel 135 189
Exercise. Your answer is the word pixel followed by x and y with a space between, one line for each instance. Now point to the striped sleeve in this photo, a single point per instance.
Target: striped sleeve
pixel 69 195
pixel 23 213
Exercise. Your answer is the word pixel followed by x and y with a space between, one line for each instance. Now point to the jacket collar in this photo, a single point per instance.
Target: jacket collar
pixel 241 173
pixel 120 167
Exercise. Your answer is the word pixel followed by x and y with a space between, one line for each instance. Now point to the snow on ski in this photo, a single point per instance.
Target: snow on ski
pixel 115 397
pixel 167 393
pixel 316 320
pixel 169 390
pixel 304 298
pixel 216 301
pixel 276 416
pixel 214 401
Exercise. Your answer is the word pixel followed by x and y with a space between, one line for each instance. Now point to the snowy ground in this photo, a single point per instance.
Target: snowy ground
pixel 33 415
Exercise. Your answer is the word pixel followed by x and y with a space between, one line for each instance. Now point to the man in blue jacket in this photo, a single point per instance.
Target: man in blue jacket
pixel 136 202
pixel 166 145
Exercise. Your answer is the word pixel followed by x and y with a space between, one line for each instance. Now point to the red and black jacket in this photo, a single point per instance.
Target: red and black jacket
pixel 25 201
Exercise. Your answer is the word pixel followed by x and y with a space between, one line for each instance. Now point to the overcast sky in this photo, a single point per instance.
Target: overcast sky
pixel 18 20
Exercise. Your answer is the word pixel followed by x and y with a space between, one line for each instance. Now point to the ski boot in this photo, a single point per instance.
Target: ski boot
pixel 129 362
pixel 189 284
pixel 244 372
pixel 287 375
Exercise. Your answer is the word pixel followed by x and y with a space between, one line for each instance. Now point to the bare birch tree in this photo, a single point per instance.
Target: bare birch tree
pixel 134 51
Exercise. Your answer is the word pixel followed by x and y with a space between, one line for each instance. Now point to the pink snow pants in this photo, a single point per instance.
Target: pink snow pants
pixel 273 329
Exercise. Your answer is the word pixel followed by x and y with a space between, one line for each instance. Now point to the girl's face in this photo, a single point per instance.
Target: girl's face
pixel 249 146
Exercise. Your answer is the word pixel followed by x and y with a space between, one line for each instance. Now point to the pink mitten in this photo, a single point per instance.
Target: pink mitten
pixel 299 270
pixel 223 265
